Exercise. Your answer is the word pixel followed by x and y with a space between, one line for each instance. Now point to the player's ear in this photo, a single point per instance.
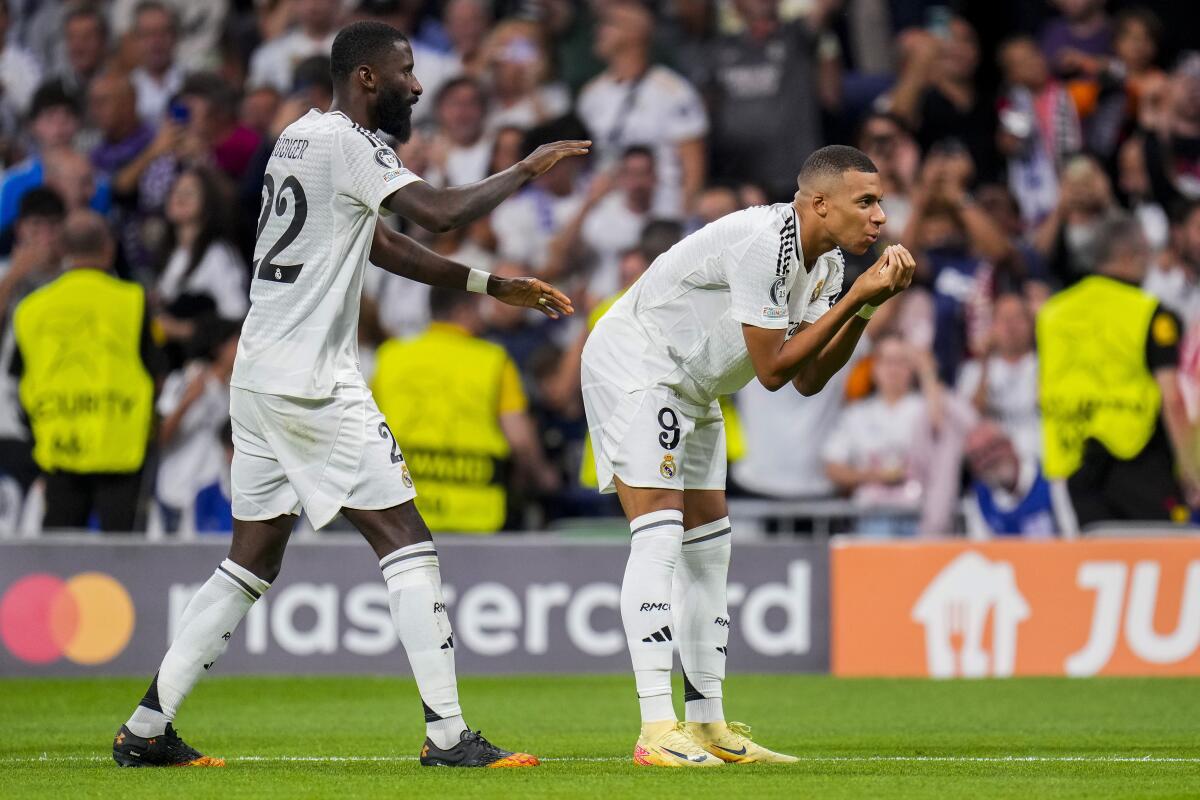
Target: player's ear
pixel 366 76
pixel 819 203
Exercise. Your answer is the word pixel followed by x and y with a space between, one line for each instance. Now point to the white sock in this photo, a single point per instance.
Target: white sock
pixel 646 608
pixel 422 622
pixel 207 624
pixel 702 617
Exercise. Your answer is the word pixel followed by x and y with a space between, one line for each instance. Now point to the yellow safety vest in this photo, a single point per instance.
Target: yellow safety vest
pixel 87 393
pixel 1093 379
pixel 735 436
pixel 440 393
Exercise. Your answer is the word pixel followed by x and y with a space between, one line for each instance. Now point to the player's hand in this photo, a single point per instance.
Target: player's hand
pixel 541 160
pixel 887 277
pixel 531 293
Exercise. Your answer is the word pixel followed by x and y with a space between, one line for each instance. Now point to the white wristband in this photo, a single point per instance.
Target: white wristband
pixel 866 311
pixel 477 281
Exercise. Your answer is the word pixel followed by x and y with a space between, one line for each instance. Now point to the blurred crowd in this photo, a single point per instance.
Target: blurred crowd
pixel 1025 149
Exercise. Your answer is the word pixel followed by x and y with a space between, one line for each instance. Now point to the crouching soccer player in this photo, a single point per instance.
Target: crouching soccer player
pixel 748 296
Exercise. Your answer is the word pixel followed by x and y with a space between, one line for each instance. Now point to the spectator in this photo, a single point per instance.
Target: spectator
pixel 958 246
pixel 1038 127
pixel 1173 154
pixel 887 140
pixel 202 260
pixel 867 456
pixel 85 47
pixel 69 173
pixel 466 23
pixel 212 119
pixel 461 146
pixel 201 28
pixel 157 77
pixel 1008 495
pixel 519 78
pixel 316 25
pixel 634 102
pixel 1133 182
pixel 1176 283
pixel 527 222
pixel 84 345
pixel 609 222
pixel 474 421
pixel 769 85
pixel 937 93
pixel 53 123
pixel 1132 89
pixel 520 334
pixel 1002 383
pixel 1115 428
pixel 506 149
pixel 112 108
pixel 1068 237
pixel 194 407
pixel 34 262
pixel 1081 32
pixel 714 203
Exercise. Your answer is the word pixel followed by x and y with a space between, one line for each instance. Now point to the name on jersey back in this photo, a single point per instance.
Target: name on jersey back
pixel 290 148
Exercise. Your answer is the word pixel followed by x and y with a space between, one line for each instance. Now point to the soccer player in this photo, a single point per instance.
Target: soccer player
pixel 750 295
pixel 307 433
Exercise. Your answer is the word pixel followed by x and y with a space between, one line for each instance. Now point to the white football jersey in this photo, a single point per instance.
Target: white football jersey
pixel 680 325
pixel 322 192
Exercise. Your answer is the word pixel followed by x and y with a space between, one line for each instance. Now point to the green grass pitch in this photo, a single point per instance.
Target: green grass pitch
pixel 357 737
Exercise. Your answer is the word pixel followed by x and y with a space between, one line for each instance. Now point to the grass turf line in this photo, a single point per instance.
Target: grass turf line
pixel 860 738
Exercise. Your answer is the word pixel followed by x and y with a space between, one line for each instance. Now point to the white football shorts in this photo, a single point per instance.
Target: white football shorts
pixel 290 453
pixel 650 437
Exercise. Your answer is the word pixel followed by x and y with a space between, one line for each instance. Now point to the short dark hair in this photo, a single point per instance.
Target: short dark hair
pixel 214 89
pixel 637 150
pixel 457 83
pixel 41 202
pixel 360 43
pixel 86 9
pixel 85 234
pixel 52 94
pixel 444 302
pixel 313 71
pixel 832 160
pixel 567 126
pixel 1116 238
pixel 157 5
pixel 658 236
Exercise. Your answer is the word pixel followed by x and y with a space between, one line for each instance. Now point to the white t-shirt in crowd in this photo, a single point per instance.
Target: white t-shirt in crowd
pixel 468 164
pixel 221 274
pixel 547 103
pixel 660 110
pixel 19 77
pixel 526 223
pixel 1012 398
pixel 274 62
pixel 785 433
pixel 322 192
pixel 195 457
pixel 1177 289
pixel 610 229
pixel 680 324
pixel 153 95
pixel 872 433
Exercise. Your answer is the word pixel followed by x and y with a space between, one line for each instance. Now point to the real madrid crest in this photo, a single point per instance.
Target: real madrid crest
pixel 816 292
pixel 405 476
pixel 667 467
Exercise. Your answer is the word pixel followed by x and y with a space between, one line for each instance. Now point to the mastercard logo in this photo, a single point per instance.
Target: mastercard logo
pixel 87 619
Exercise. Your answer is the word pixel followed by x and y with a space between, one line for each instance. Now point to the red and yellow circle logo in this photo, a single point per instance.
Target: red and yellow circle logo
pixel 87 619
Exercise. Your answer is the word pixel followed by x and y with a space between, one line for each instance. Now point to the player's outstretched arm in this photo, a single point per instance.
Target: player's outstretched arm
pixel 441 210
pixel 810 358
pixel 400 255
